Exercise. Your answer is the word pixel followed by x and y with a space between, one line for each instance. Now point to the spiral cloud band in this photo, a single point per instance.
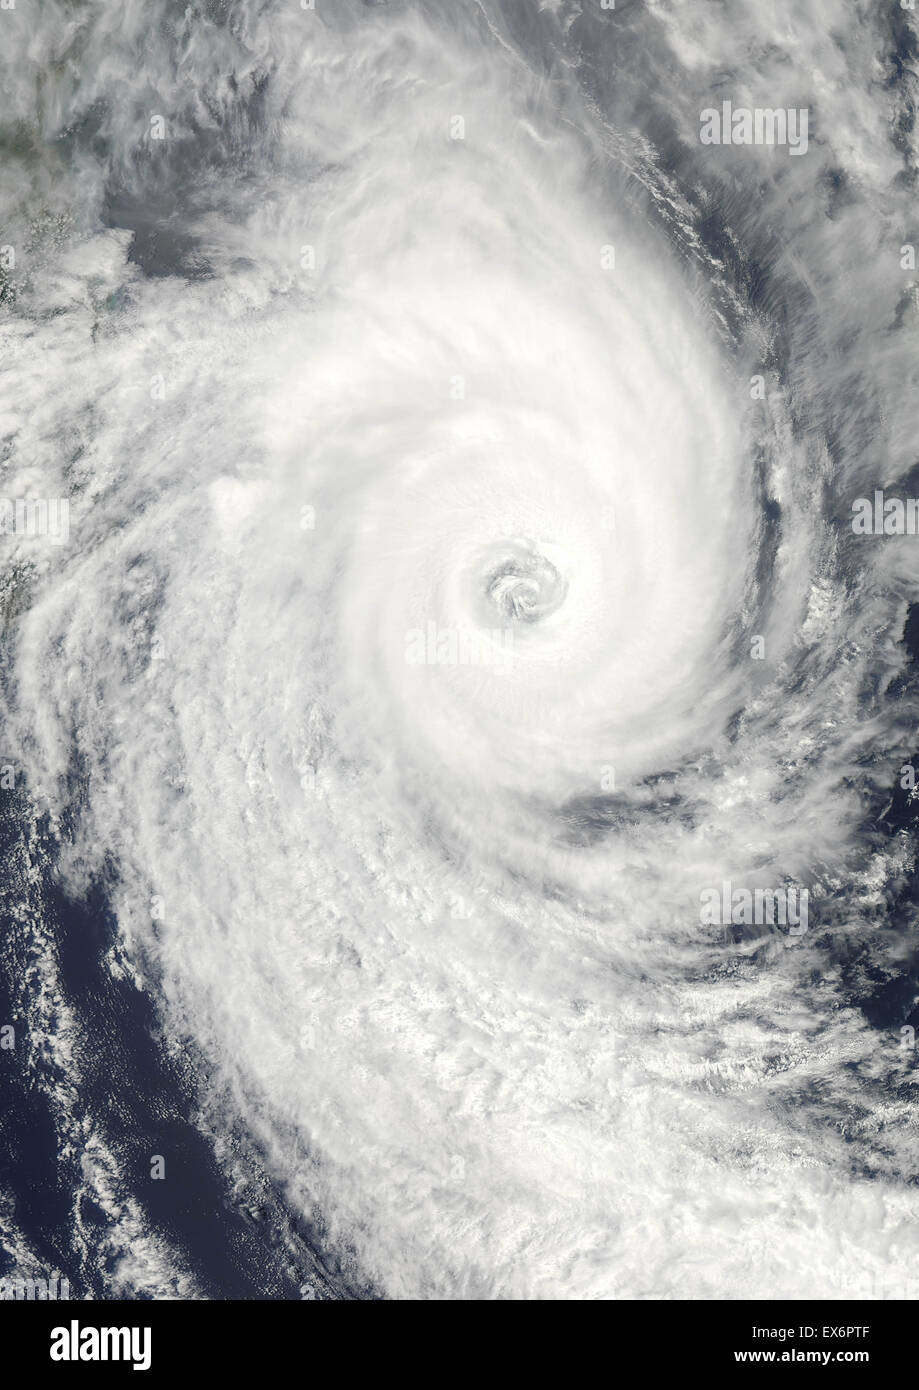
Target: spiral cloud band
pixel 451 715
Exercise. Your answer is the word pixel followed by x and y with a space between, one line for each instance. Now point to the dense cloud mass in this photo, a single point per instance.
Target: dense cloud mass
pixel 455 588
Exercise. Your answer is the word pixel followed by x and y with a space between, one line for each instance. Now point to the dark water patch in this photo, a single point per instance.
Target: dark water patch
pixel 134 1095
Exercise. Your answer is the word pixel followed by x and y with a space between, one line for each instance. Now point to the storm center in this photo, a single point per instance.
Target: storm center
pixel 525 587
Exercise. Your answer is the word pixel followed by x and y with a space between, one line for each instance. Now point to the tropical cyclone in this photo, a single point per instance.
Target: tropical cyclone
pixel 393 312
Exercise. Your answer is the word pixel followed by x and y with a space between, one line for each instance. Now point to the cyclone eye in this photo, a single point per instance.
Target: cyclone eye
pixel 525 586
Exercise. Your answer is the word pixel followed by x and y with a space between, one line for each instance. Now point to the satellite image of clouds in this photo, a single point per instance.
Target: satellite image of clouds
pixel 459 649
